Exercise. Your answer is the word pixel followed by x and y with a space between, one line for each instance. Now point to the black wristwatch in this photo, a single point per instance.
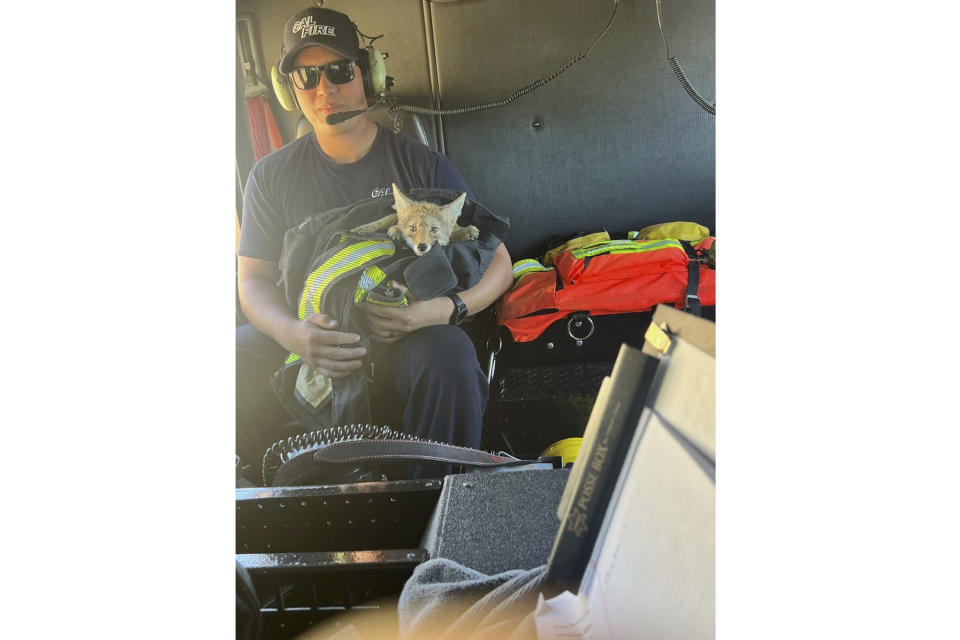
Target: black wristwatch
pixel 459 310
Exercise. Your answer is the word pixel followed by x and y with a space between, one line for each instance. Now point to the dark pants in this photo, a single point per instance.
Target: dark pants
pixel 431 379
pixel 261 420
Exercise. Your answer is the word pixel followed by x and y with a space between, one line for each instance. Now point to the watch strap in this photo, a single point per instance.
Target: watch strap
pixel 459 309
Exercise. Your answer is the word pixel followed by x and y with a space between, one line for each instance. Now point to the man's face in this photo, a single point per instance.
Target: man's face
pixel 327 97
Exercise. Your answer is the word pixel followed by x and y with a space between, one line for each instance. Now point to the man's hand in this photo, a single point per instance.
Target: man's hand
pixel 325 349
pixel 389 324
pixel 314 339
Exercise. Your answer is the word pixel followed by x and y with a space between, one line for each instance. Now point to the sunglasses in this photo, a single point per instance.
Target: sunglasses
pixel 338 72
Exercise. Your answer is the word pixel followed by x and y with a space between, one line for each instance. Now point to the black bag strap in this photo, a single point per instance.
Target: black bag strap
pixel 410 450
pixel 692 303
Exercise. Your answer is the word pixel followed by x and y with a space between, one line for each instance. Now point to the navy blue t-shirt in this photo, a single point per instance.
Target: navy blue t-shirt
pixel 298 180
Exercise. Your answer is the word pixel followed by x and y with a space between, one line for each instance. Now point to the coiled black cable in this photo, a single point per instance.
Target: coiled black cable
pixel 284 450
pixel 681 76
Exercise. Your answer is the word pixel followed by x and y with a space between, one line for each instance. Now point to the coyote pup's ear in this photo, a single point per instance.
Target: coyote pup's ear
pixel 399 199
pixel 452 211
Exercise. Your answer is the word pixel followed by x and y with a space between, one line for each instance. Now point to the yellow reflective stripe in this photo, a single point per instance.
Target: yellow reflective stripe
pixel 369 279
pixel 350 257
pixel 575 243
pixel 603 243
pixel 625 246
pixel 527 264
pixel 526 267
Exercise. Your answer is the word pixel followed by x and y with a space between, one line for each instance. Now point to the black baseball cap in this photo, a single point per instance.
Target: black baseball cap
pixel 318 26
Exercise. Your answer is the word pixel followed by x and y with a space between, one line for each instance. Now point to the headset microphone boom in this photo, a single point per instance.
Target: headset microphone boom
pixel 343 116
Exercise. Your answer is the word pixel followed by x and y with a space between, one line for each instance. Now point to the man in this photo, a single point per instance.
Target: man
pixel 431 363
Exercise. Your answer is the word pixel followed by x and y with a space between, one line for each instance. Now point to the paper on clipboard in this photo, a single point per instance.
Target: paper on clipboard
pixel 653 568
pixel 563 617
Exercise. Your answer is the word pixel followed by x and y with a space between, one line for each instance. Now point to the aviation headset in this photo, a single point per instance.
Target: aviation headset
pixel 373 71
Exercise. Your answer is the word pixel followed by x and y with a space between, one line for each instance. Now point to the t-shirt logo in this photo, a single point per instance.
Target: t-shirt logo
pixel 307 27
pixel 379 192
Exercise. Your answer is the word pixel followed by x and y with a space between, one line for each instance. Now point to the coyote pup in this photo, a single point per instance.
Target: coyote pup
pixel 423 224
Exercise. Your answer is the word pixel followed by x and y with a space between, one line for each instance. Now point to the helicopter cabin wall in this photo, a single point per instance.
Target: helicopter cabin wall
pixel 614 141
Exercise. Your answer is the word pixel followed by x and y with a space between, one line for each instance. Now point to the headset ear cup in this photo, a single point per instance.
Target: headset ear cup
pixel 282 89
pixel 375 75
pixel 364 64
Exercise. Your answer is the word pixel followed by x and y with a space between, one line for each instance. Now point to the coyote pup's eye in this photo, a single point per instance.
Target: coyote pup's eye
pixel 413 228
pixel 434 229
